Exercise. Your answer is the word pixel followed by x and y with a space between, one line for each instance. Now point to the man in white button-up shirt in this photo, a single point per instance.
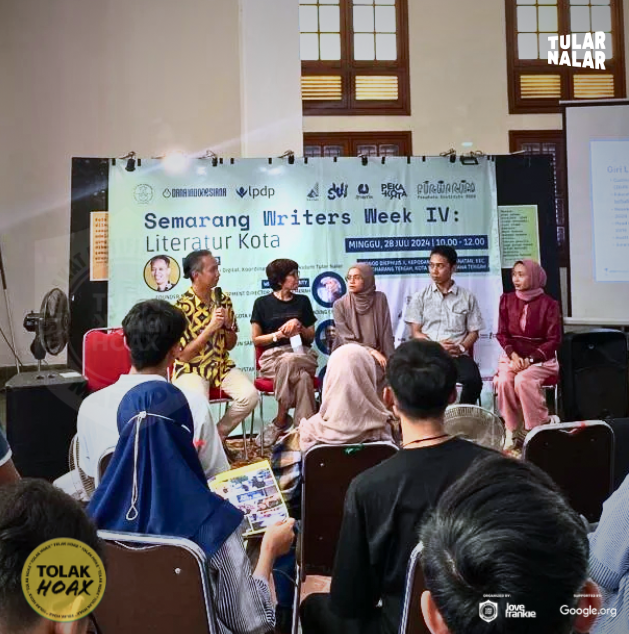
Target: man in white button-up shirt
pixel 153 330
pixel 449 314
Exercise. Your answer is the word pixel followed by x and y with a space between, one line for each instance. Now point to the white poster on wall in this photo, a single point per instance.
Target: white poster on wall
pixel 324 214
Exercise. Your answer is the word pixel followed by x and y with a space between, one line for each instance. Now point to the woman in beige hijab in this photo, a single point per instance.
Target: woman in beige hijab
pixel 362 316
pixel 351 409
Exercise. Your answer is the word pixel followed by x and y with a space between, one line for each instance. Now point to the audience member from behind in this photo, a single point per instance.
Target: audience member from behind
pixel 8 472
pixel 385 505
pixel 609 562
pixel 155 484
pixel 351 408
pixel 33 512
pixel 504 534
pixel 152 331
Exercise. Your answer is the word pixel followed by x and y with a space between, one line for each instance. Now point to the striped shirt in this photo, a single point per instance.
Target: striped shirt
pixel 609 562
pixel 242 601
pixel 213 362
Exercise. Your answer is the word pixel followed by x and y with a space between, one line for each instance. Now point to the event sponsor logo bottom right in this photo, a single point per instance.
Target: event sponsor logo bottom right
pixel 488 610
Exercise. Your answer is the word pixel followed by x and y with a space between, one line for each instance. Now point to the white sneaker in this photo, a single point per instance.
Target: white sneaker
pixel 271 432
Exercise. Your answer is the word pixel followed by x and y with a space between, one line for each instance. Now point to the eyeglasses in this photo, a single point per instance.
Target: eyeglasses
pixel 436 265
pixel 354 278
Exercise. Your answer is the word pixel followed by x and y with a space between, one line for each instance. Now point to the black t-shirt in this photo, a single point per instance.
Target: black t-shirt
pixel 384 508
pixel 272 313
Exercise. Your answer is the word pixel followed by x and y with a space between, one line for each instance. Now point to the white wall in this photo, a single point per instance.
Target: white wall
pixel 100 78
pixel 270 78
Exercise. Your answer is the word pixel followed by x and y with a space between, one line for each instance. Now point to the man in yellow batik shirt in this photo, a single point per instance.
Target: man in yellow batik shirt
pixel 212 332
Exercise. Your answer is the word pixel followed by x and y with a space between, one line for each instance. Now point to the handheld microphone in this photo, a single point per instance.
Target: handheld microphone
pixel 218 294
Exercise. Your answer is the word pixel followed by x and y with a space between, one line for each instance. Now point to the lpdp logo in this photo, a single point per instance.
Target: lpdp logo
pixel 488 611
pixel 254 192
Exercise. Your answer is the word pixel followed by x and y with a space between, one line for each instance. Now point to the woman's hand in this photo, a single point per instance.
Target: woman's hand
pixel 291 328
pixel 379 357
pixel 518 363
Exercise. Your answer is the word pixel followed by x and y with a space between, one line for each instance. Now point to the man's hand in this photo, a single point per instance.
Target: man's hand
pixel 379 357
pixel 231 339
pixel 217 321
pixel 279 537
pixel 451 348
pixel 291 328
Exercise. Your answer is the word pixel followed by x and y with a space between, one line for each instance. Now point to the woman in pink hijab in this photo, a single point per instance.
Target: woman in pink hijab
pixel 529 330
pixel 351 408
pixel 362 316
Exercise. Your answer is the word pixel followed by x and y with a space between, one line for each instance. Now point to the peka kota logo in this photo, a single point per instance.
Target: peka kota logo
pixel 63 579
pixel 393 190
pixel 588 46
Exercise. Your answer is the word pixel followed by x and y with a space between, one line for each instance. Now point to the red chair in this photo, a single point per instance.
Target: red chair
pixel 105 357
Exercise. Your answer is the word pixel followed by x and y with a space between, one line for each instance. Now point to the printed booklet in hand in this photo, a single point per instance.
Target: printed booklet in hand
pixel 254 490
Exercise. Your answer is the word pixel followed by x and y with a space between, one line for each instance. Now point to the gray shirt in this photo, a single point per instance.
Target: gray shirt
pixel 450 316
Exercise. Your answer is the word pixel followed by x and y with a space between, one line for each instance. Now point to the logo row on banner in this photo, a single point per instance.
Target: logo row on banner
pixel 144 193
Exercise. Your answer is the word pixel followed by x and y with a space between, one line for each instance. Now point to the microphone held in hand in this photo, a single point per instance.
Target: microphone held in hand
pixel 218 296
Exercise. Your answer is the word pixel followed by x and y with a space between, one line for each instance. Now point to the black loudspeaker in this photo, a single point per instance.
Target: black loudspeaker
pixel 41 420
pixel 594 375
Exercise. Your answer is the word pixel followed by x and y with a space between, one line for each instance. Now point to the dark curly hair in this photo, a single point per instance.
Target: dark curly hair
pixel 278 270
